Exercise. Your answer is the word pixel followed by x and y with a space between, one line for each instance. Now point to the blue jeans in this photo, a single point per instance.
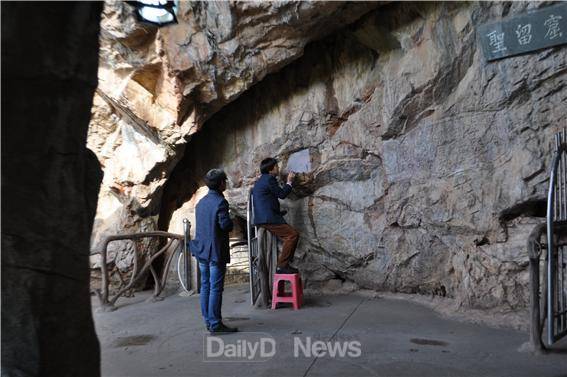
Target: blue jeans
pixel 212 285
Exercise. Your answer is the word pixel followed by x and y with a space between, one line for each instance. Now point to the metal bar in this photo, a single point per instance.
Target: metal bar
pixel 559 188
pixel 249 236
pixel 555 192
pixel 558 303
pixel 560 300
pixel 550 246
pixel 561 179
pixel 563 171
pixel 563 293
pixel 560 269
pixel 186 261
pixel 559 205
pixel 543 297
pixel 556 319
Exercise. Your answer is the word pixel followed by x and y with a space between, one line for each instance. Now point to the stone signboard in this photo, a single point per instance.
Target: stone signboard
pixel 524 33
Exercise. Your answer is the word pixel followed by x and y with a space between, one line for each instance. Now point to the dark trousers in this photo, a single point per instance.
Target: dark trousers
pixel 289 236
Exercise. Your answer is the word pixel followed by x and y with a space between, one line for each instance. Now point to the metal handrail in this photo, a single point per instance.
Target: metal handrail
pixel 186 260
pixel 249 225
pixel 262 248
pixel 556 209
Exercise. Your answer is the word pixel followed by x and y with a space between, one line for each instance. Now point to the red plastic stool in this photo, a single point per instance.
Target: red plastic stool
pixel 279 294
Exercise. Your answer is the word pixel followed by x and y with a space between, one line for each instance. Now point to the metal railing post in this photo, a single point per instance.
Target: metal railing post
pixel 187 266
pixel 550 246
pixel 250 227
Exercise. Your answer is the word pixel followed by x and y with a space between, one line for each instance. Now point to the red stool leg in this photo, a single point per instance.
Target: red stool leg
pixel 300 292
pixel 295 292
pixel 275 291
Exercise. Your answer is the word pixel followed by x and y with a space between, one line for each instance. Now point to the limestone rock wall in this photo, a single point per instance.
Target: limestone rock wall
pixel 429 165
pixel 157 87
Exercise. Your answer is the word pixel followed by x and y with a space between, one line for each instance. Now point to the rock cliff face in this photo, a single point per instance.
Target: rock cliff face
pixel 428 165
pixel 157 87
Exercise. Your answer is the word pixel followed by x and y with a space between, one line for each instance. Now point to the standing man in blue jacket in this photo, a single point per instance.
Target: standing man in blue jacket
pixel 267 214
pixel 211 248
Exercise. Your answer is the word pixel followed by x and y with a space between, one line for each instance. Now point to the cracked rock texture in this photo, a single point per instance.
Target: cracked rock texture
pixel 428 164
pixel 157 87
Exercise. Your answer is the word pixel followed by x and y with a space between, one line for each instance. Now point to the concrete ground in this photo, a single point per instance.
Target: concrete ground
pixel 395 338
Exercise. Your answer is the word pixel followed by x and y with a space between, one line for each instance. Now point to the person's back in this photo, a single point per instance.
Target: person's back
pixel 212 235
pixel 211 248
pixel 265 194
pixel 267 213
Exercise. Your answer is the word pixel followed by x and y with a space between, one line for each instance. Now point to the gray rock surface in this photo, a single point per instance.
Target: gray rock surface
pixel 157 87
pixel 428 165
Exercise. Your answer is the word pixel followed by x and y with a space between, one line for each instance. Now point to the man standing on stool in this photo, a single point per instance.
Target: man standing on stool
pixel 267 213
pixel 211 248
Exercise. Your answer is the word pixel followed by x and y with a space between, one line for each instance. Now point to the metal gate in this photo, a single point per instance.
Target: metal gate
pixel 263 256
pixel 252 231
pixel 557 242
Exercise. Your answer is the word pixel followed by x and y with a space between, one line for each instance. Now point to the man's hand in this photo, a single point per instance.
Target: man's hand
pixel 290 178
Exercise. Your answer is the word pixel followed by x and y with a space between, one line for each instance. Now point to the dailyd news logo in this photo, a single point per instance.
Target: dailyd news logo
pixel 259 347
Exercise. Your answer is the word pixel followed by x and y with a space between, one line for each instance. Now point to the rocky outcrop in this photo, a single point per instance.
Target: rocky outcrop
pixel 428 164
pixel 50 183
pixel 157 87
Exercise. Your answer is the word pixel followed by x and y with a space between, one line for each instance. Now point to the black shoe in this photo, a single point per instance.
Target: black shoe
pixel 286 270
pixel 222 328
